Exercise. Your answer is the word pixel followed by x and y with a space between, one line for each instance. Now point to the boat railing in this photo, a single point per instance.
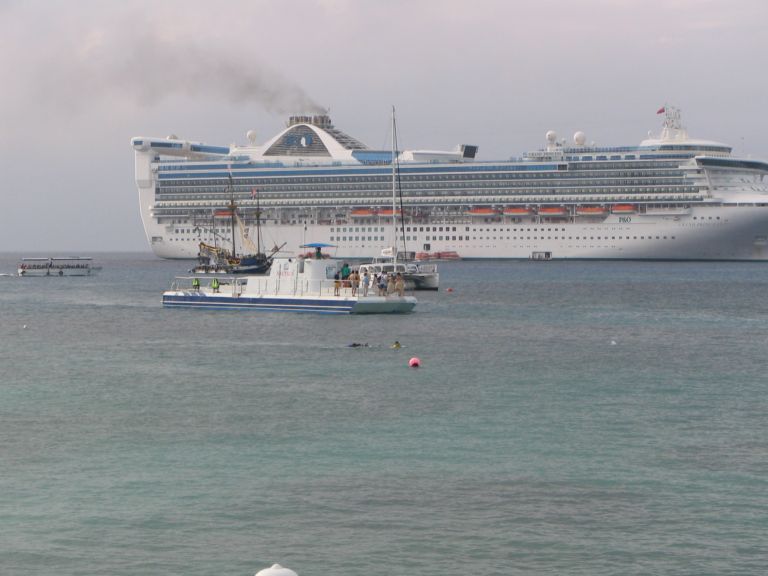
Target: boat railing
pixel 227 284
pixel 292 285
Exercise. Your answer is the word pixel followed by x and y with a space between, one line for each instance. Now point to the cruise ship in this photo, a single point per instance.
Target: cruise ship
pixel 672 197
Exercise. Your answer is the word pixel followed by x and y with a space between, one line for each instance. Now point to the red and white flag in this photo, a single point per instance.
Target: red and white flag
pixel 253 193
pixel 661 110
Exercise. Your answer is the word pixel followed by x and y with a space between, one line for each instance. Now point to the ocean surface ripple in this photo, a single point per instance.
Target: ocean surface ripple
pixel 568 418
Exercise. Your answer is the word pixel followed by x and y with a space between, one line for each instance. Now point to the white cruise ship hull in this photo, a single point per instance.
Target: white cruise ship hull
pixel 705 233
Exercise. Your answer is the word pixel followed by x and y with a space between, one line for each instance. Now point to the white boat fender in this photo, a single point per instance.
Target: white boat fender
pixel 276 570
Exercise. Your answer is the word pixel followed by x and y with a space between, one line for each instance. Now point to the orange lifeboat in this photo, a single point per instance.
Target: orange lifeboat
pixel 590 210
pixel 517 211
pixel 447 255
pixel 363 212
pixel 388 212
pixel 222 213
pixel 483 211
pixel 553 211
pixel 624 209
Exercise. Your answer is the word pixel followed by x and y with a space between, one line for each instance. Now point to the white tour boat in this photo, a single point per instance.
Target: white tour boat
pixel 294 284
pixel 72 266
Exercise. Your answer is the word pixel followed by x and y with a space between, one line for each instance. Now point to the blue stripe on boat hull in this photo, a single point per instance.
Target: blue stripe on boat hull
pixel 286 304
pixel 270 304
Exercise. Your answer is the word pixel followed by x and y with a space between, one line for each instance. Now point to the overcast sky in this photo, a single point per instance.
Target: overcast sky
pixel 80 78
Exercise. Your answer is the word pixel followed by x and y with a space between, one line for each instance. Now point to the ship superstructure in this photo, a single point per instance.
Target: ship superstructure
pixel 670 197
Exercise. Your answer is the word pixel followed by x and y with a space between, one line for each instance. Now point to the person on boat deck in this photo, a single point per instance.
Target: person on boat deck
pixel 215 284
pixel 196 284
pixel 336 284
pixel 354 280
pixel 391 284
pixel 366 281
pixel 400 285
pixel 345 271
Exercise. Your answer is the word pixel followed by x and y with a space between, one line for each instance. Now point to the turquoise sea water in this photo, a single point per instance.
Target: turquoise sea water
pixel 568 418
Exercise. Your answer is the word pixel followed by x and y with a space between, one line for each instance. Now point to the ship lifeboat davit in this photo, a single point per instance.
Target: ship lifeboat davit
pixel 517 211
pixel 590 210
pixel 363 212
pixel 483 211
pixel 624 209
pixel 553 211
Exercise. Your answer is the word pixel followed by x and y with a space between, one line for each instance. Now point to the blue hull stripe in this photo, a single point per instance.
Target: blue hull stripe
pixel 272 304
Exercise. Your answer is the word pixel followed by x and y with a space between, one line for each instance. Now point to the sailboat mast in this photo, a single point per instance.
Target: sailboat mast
pixel 394 186
pixel 258 223
pixel 232 214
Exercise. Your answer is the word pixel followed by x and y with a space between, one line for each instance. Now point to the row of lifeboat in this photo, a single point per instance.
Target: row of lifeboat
pixel 554 210
pixel 511 211
pixel 488 211
pixel 445 255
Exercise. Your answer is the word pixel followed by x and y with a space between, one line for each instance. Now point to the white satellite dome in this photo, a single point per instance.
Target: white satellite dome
pixel 551 136
pixel 579 138
pixel 251 135
pixel 276 570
